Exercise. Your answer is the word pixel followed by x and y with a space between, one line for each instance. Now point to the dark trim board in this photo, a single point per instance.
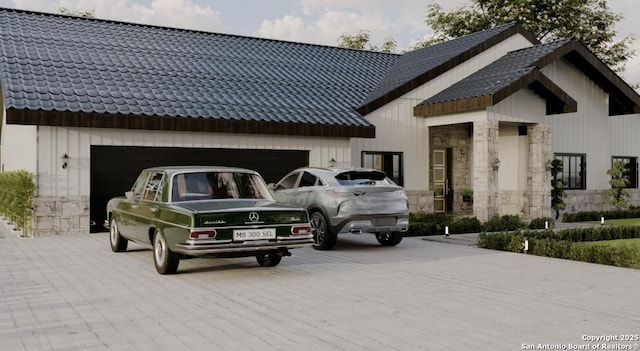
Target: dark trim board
pixel 115 168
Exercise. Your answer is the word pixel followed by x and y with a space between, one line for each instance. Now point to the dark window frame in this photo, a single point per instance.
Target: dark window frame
pixel 397 176
pixel 569 171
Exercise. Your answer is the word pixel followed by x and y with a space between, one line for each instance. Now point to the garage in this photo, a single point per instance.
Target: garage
pixel 115 168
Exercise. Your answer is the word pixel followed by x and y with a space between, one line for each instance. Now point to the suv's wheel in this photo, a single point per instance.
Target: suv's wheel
pixel 389 238
pixel 268 259
pixel 166 261
pixel 118 243
pixel 323 239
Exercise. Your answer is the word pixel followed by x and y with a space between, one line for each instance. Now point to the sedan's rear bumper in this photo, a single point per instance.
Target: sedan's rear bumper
pixel 373 224
pixel 216 247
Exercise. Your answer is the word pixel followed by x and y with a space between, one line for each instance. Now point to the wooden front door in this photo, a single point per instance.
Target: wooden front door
pixel 442 194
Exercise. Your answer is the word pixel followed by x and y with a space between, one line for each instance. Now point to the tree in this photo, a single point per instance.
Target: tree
pixel 618 194
pixel 589 21
pixel 87 13
pixel 557 187
pixel 362 41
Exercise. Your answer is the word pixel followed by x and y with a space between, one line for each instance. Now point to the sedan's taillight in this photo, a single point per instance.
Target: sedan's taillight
pixel 202 234
pixel 300 229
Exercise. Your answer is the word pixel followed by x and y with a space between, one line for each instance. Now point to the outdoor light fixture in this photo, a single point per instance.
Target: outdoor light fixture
pixel 65 160
pixel 332 162
pixel 495 164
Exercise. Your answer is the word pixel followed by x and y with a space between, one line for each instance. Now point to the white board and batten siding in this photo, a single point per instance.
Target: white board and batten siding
pixel 625 135
pixel 76 142
pixel 587 130
pixel 410 135
pixel 19 147
pixel 522 108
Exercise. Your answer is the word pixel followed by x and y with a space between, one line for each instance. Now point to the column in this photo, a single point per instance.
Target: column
pixel 485 169
pixel 539 174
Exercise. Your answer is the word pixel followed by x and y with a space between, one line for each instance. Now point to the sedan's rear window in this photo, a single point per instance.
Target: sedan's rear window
pixel 218 185
pixel 362 178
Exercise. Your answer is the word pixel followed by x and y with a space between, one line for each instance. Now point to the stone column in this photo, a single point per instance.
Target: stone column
pixel 539 174
pixel 485 169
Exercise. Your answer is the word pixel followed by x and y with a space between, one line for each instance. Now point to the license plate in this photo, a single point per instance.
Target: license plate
pixel 254 234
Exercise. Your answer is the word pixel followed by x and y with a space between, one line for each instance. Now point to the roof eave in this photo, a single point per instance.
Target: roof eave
pixel 203 125
pixel 557 100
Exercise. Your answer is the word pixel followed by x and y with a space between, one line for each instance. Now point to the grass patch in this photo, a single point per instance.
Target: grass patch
pixel 619 222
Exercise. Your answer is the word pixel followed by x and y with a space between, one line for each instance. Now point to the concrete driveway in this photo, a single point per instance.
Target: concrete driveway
pixel 73 293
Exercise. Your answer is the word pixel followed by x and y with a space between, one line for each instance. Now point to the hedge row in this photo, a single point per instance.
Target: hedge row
pixel 17 196
pixel 421 224
pixel 571 244
pixel 596 215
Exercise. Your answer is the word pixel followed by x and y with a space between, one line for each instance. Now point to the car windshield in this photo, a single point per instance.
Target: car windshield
pixel 363 178
pixel 218 185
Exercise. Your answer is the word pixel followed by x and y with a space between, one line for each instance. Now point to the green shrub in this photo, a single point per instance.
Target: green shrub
pixel 465 225
pixel 585 216
pixel 17 197
pixel 539 223
pixel 571 244
pixel 502 241
pixel 504 223
pixel 421 224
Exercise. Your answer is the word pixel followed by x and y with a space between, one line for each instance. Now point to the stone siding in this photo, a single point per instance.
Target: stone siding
pixel 61 216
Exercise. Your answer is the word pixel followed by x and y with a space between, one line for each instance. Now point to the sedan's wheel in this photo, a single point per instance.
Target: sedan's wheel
pixel 323 239
pixel 118 243
pixel 166 261
pixel 268 260
pixel 389 238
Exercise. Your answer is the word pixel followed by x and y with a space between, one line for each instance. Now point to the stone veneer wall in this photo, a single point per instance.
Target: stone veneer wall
pixel 420 201
pixel 61 216
pixel 595 200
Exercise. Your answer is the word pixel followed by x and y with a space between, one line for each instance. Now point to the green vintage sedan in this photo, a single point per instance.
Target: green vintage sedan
pixel 205 211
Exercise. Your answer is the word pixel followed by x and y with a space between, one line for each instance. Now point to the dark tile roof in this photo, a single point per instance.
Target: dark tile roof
pixel 520 69
pixel 62 70
pixel 416 68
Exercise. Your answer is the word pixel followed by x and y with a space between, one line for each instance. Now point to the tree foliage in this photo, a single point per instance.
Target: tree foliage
pixel 362 41
pixel 590 21
pixel 86 13
pixel 557 187
pixel 618 193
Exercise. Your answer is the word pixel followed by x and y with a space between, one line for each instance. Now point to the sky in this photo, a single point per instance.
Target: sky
pixel 308 21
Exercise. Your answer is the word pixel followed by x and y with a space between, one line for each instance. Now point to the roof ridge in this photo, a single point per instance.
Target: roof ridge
pixel 190 30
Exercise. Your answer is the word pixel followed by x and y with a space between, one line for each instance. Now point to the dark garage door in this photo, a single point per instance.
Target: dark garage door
pixel 115 168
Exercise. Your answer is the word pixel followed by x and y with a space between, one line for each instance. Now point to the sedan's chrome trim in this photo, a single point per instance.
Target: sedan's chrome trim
pixel 226 247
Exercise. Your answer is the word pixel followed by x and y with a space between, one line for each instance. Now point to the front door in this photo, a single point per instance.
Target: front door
pixel 442 194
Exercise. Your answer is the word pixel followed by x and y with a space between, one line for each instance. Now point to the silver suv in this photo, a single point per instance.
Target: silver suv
pixel 342 200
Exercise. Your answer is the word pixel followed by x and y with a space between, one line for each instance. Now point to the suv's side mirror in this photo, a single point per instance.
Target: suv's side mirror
pixel 128 195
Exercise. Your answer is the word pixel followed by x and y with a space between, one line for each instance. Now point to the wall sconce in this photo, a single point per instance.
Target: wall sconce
pixel 332 162
pixel 547 165
pixel 65 160
pixel 495 164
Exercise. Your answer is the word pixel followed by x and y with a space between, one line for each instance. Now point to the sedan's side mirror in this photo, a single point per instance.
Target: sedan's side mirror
pixel 272 186
pixel 129 195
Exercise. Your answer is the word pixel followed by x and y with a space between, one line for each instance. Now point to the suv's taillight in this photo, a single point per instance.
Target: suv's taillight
pixel 202 234
pixel 300 229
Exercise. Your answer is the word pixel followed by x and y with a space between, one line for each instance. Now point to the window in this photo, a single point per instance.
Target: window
pixel 153 191
pixel 139 186
pixel 574 170
pixel 289 182
pixel 307 179
pixel 630 169
pixel 387 162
